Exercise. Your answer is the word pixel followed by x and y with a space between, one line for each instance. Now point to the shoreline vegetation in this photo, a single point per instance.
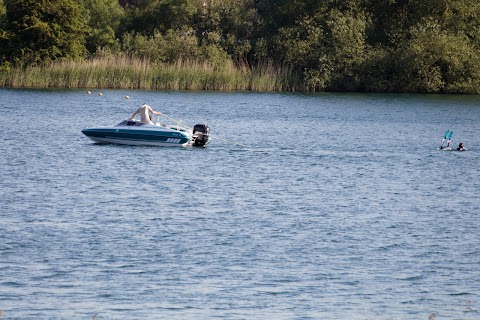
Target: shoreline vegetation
pixel 233 45
pixel 123 72
pixel 129 72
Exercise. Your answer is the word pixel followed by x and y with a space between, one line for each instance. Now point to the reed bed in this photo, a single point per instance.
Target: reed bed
pixel 121 72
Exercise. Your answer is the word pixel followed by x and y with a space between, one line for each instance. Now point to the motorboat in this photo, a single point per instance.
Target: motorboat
pixel 135 132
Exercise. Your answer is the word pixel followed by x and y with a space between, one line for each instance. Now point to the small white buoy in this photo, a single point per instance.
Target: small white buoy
pixel 127 97
pixel 88 92
pixel 100 94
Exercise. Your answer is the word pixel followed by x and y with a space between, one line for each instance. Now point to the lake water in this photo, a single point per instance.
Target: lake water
pixel 334 206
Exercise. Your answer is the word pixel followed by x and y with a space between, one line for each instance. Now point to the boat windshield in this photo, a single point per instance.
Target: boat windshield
pixel 130 123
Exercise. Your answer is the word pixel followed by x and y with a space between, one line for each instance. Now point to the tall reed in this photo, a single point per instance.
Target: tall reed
pixel 123 72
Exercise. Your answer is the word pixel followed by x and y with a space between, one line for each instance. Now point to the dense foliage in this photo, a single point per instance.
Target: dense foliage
pixel 349 45
pixel 39 30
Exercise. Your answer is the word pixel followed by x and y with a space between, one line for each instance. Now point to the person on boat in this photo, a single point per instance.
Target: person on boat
pixel 145 111
pixel 461 147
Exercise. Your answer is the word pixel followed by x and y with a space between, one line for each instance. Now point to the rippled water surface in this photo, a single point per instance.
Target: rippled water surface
pixel 339 206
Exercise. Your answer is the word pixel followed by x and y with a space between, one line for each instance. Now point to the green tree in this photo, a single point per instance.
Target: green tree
pixel 104 21
pixel 278 14
pixel 43 30
pixel 423 46
pixel 3 16
pixel 392 19
pixel 436 60
pixel 3 11
pixel 230 25
pixel 150 16
pixel 463 17
pixel 327 46
pixel 169 48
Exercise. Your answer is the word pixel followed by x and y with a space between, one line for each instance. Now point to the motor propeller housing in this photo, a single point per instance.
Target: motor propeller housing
pixel 201 135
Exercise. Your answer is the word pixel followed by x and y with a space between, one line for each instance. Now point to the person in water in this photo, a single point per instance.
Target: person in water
pixel 461 147
pixel 145 112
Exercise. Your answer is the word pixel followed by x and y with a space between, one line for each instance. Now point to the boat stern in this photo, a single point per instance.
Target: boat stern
pixel 200 135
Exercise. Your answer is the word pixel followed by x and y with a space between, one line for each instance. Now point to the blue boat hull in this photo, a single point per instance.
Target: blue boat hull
pixel 142 136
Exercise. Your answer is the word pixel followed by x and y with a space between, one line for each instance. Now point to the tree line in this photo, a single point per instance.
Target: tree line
pixel 430 46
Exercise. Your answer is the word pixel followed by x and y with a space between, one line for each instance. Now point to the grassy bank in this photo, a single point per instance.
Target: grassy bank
pixel 120 72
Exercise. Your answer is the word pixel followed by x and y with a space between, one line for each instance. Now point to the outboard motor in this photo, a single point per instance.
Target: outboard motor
pixel 201 135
